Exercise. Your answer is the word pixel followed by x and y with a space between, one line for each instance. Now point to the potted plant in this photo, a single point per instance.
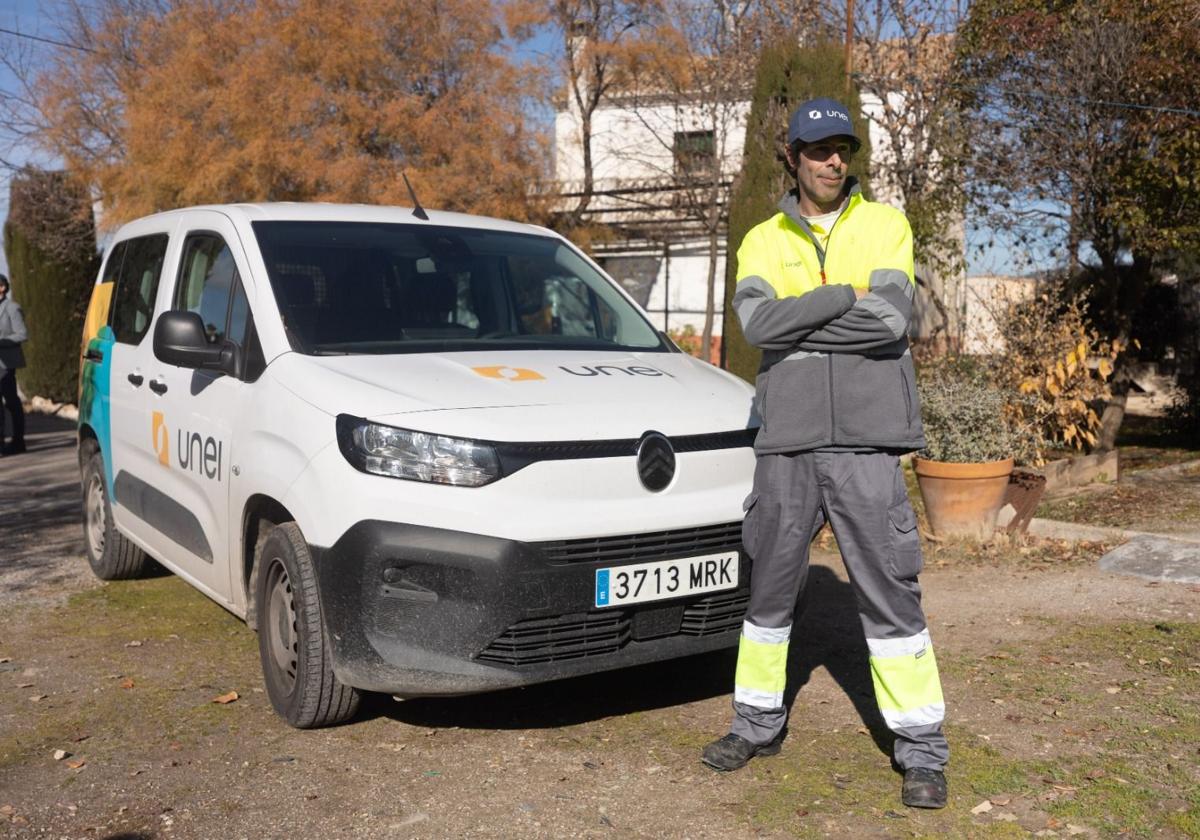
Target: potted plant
pixel 972 441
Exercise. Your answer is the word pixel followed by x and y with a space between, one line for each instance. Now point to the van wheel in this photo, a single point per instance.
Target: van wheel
pixel 110 554
pixel 296 660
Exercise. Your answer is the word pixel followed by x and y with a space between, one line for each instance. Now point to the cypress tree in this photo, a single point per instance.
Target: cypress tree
pixel 787 75
pixel 50 243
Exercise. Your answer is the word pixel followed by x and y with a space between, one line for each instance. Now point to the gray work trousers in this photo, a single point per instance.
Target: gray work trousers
pixel 863 497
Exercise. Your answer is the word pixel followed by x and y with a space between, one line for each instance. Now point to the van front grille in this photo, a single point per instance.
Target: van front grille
pixel 655 545
pixel 541 640
pixel 715 614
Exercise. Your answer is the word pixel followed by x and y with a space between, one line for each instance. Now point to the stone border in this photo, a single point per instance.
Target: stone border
pixel 1159 472
pixel 1080 470
pixel 1055 530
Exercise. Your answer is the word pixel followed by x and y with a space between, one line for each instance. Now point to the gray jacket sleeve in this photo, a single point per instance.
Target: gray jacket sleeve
pixel 16 332
pixel 876 320
pixel 773 323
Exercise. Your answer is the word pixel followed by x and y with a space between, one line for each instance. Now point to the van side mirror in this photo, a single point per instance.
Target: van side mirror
pixel 180 339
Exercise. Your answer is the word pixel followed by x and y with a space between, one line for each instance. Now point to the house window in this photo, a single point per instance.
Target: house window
pixel 694 153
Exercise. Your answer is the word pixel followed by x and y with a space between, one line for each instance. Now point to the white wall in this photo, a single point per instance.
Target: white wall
pixel 987 299
pixel 631 142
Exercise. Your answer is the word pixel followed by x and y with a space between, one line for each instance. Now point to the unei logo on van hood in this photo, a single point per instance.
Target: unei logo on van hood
pixel 462 393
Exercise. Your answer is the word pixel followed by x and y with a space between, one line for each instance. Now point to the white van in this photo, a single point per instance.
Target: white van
pixel 420 453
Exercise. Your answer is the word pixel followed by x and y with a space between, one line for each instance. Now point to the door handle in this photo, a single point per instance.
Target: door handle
pixel 136 379
pixel 158 387
pixel 93 355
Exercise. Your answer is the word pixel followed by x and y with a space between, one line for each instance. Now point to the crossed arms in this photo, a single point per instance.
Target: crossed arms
pixel 827 319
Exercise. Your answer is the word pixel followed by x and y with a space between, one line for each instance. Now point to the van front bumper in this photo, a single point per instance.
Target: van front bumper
pixel 412 610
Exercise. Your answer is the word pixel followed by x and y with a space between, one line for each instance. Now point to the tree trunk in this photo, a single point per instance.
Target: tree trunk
pixel 1113 416
pixel 1114 410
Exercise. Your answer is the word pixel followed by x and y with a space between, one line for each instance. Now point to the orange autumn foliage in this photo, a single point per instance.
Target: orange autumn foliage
pixel 295 100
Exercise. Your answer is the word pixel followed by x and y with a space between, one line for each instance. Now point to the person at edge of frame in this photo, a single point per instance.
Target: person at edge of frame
pixel 825 289
pixel 12 334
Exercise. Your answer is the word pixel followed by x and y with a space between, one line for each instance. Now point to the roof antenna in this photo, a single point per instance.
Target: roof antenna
pixel 418 210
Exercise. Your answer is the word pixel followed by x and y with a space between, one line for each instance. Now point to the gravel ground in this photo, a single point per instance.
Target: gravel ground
pixel 122 677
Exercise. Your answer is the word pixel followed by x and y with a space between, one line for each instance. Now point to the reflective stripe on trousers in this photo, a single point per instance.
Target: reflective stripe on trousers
pixel 865 500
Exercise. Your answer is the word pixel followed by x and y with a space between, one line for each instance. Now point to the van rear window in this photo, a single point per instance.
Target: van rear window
pixel 356 287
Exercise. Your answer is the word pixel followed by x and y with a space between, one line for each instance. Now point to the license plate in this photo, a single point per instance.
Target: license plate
pixel 666 579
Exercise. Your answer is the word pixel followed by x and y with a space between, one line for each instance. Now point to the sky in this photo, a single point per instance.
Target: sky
pixel 22 16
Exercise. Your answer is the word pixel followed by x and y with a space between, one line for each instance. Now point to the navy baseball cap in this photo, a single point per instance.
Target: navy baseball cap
pixel 820 119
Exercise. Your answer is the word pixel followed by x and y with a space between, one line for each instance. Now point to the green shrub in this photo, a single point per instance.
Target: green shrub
pixel 968 418
pixel 50 243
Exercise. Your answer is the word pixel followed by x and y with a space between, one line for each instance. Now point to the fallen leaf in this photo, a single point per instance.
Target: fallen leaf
pixel 224 699
pixel 37 698
pixel 802 813
pixel 25 685
pixel 4 660
pixel 134 643
pixel 126 683
pixel 1095 774
pixel 59 755
pixel 76 764
pixel 1112 689
pixel 862 730
pixel 999 656
pixel 7 810
pixel 982 808
pixel 1000 800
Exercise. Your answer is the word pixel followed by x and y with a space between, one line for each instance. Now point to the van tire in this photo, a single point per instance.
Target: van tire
pixel 296 659
pixel 110 553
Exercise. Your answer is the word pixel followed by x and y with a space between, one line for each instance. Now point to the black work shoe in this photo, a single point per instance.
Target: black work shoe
pixel 733 751
pixel 924 788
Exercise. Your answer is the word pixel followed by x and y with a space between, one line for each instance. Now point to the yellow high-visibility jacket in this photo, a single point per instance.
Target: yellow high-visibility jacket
pixel 837 373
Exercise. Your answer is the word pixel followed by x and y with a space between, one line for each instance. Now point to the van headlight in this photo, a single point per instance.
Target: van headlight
pixel 416 456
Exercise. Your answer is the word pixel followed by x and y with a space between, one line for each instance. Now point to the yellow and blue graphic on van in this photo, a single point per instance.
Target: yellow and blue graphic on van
pixel 512 374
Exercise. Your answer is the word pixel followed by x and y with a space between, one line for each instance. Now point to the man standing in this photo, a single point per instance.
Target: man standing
pixel 12 333
pixel 825 289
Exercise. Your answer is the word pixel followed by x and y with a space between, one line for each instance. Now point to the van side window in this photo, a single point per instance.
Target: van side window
pixel 137 286
pixel 112 268
pixel 207 280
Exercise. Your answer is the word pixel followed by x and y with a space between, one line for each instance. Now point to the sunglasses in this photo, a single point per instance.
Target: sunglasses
pixel 822 152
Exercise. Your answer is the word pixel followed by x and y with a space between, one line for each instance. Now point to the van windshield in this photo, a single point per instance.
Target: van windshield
pixel 357 287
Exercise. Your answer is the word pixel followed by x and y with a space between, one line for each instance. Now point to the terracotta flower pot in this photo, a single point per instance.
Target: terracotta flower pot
pixel 963 499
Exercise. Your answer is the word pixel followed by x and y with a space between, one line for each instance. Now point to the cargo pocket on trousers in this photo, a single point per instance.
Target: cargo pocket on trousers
pixel 749 531
pixel 906 542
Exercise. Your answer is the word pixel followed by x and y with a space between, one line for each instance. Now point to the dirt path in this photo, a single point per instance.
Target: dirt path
pixel 41 538
pixel 1063 717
